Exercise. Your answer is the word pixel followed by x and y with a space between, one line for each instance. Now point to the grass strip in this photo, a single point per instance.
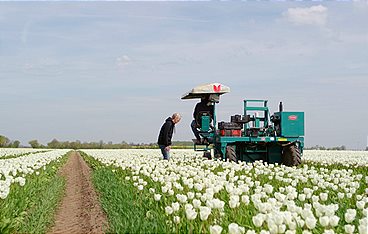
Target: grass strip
pixel 128 210
pixel 31 208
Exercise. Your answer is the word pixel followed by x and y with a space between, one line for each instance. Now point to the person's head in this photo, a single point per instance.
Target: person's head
pixel 205 98
pixel 176 118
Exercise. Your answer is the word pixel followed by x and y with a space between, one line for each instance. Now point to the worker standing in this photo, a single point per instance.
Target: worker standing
pixel 165 136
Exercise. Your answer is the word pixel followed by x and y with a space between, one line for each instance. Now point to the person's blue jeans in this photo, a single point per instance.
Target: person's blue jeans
pixel 165 153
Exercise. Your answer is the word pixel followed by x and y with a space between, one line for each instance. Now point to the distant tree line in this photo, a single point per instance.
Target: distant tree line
pixel 7 143
pixel 55 144
pixel 318 147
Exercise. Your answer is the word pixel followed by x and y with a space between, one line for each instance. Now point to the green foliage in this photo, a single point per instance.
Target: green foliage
pixel 30 209
pixel 34 144
pixel 318 147
pixel 3 141
pixel 128 210
pixel 6 143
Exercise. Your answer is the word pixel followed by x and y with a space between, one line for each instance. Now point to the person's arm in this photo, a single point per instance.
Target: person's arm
pixel 169 135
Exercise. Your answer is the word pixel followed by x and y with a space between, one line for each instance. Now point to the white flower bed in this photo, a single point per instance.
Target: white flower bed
pixel 284 199
pixel 330 157
pixel 18 151
pixel 14 170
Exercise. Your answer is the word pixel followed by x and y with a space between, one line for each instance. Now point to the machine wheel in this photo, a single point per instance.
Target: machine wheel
pixel 291 156
pixel 230 153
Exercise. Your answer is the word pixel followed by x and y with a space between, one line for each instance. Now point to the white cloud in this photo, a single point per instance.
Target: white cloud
pixel 123 61
pixel 315 15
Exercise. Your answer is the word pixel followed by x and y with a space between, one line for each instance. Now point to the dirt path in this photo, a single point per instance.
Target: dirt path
pixel 80 211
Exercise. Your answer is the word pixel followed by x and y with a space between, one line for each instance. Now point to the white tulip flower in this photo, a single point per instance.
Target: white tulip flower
pixel 204 212
pixel 168 210
pixel 258 220
pixel 324 221
pixel 176 219
pixel 245 199
pixel 264 232
pixel 360 205
pixel 215 229
pixel 234 228
pixel 157 197
pixel 350 215
pixel 334 221
pixel 196 203
pixel 349 228
pixel 190 195
pixel 323 196
pixel 310 222
pixel 191 214
pixel 301 197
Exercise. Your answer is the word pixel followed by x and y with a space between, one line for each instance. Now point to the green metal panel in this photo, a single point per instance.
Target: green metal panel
pixel 292 123
pixel 274 153
pixel 206 120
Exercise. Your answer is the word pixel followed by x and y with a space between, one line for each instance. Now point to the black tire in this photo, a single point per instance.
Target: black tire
pixel 231 154
pixel 291 156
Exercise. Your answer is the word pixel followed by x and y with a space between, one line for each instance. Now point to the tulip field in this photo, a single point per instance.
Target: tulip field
pixel 141 193
pixel 29 189
pixel 328 193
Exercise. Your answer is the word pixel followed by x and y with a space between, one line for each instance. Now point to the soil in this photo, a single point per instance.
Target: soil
pixel 80 210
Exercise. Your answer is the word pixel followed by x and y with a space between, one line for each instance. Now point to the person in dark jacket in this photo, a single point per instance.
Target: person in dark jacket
pixel 165 136
pixel 203 106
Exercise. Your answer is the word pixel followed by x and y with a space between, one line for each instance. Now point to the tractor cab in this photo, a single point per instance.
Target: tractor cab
pixel 206 121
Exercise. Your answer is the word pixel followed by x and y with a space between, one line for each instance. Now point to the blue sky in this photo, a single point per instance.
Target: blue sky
pixel 114 71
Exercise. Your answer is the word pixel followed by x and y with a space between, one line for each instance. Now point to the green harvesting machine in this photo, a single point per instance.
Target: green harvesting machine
pixel 251 136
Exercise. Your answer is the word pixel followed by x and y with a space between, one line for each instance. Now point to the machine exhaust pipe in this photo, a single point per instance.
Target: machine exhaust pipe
pixel 281 107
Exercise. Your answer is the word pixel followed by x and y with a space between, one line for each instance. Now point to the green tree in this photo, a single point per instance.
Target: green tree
pixel 34 144
pixel 15 144
pixel 54 144
pixel 4 141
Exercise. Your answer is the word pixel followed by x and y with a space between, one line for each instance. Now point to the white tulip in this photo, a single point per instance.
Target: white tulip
pixel 258 220
pixel 349 228
pixel 245 199
pixel 215 229
pixel 251 232
pixel 324 221
pixel 175 206
pixel 323 196
pixel 168 210
pixel 157 197
pixel 191 214
pixel 234 228
pixel 204 212
pixel 360 205
pixel 310 222
pixel 176 219
pixel 334 221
